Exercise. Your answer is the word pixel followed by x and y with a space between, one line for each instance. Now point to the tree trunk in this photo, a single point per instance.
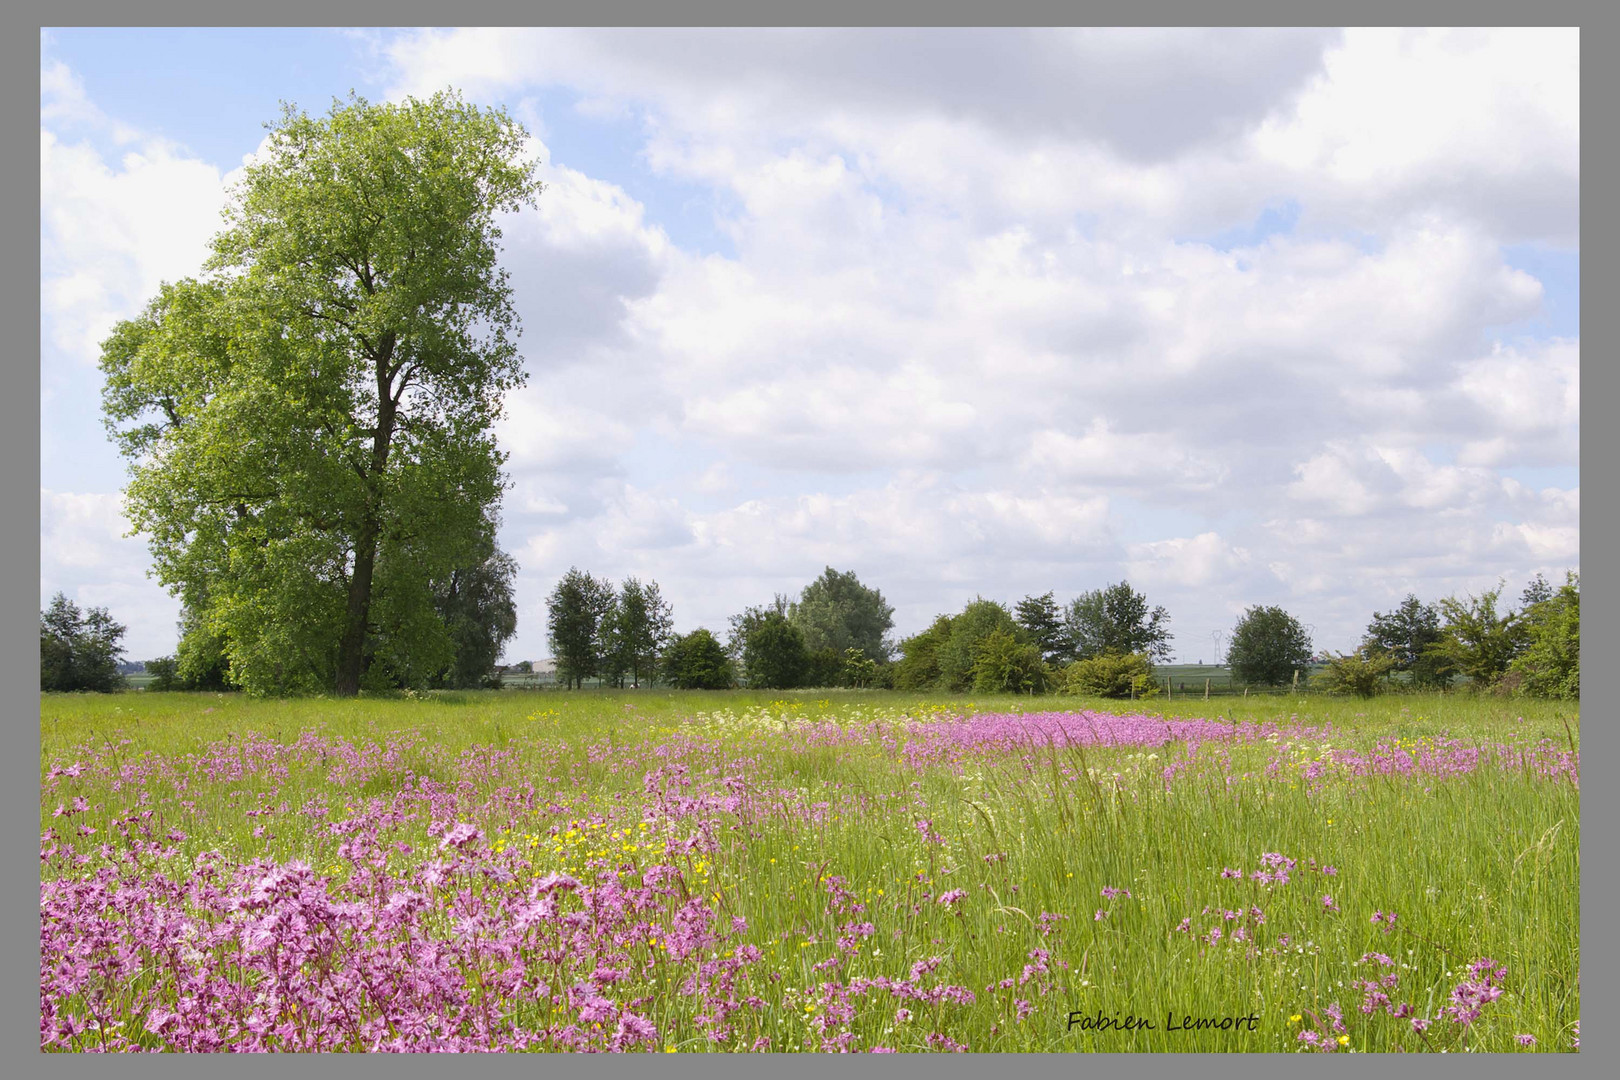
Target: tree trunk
pixel 351 648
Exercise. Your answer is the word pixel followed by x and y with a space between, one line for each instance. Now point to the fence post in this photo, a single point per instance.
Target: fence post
pixel 1206 688
pixel 1296 680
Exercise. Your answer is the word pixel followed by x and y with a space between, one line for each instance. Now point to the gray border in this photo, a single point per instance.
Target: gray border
pixel 20 431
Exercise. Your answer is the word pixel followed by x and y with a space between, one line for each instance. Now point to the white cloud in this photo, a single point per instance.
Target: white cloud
pixel 963 331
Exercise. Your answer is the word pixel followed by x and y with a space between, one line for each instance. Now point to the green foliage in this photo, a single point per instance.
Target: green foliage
pixel 1477 640
pixel 165 674
pixel 203 660
pixel 635 631
pixel 1268 646
pixel 1004 664
pixel 78 650
pixel 1117 619
pixel 309 425
pixel 697 661
pixel 918 667
pixel 478 609
pixel 1112 675
pixel 774 656
pixel 1363 673
pixel 1042 621
pixel 837 612
pixel 959 652
pixel 860 671
pixel 1407 636
pixel 1550 664
pixel 575 613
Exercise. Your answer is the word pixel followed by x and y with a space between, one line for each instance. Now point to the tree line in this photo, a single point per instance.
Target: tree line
pixel 1107 642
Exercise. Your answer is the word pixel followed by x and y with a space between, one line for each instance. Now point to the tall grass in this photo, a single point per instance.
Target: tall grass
pixel 1052 879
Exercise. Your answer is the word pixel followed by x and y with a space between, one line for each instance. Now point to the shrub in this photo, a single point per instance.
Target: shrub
pixel 773 653
pixel 1006 665
pixel 1363 673
pixel 1112 675
pixel 1550 665
pixel 696 661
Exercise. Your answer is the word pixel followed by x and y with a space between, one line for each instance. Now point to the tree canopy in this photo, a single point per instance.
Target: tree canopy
pixel 1268 646
pixel 837 612
pixel 308 424
pixel 1407 635
pixel 1117 620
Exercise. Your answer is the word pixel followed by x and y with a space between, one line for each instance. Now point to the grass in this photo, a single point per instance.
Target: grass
pixel 1478 863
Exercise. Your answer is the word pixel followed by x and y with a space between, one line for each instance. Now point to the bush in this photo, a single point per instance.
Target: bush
pixel 1006 665
pixel 696 661
pixel 1112 675
pixel 773 654
pixel 1363 673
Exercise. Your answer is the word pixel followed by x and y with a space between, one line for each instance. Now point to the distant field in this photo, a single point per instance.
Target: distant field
pixel 817 871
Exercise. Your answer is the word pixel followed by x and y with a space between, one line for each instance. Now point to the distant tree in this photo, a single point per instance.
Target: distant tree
pixel 1006 663
pixel 1478 640
pixel 575 612
pixel 745 622
pixel 480 613
pixel 1363 673
pixel 957 654
pixel 1406 635
pixel 697 661
pixel 1550 663
pixel 1042 621
pixel 773 655
pixel 79 650
pixel 1111 675
pixel 918 667
pixel 165 674
pixel 523 667
pixel 1268 646
pixel 636 631
pixel 1117 619
pixel 837 612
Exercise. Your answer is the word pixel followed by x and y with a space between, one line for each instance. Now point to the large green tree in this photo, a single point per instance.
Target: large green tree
pixel 1117 620
pixel 309 423
pixel 1268 646
pixel 837 612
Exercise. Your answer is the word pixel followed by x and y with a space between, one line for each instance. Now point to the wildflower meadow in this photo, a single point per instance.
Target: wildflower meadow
pixel 658 872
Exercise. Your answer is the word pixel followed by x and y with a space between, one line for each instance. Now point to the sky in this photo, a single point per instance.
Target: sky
pixel 1242 317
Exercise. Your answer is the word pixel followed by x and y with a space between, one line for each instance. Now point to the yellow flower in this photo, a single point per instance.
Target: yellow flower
pixel 1344 1040
pixel 1294 1019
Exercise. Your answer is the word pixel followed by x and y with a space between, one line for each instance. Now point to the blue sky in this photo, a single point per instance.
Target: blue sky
pixel 1244 316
